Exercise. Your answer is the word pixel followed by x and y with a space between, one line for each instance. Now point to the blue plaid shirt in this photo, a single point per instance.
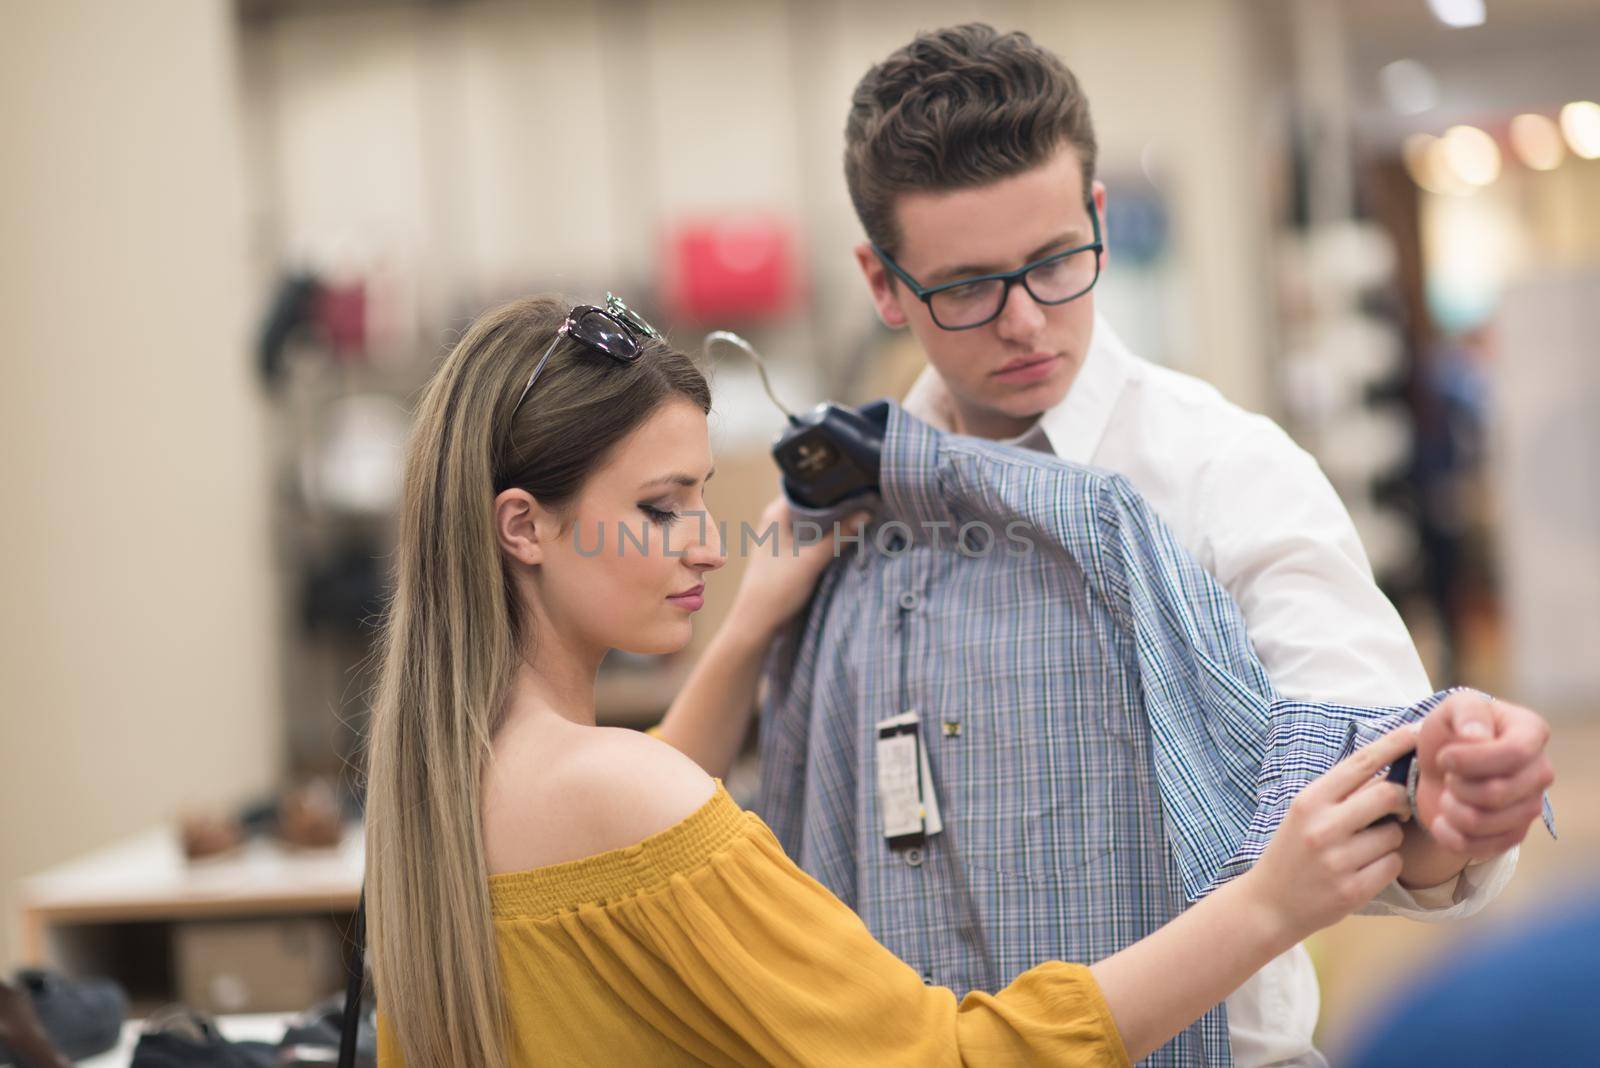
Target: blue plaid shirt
pixel 1104 744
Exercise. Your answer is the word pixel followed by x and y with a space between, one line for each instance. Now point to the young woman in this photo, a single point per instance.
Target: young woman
pixel 545 890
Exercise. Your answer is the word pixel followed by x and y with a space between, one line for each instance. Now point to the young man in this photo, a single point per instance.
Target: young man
pixel 970 160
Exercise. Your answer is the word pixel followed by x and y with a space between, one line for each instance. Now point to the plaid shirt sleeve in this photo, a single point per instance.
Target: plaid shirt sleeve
pixel 1230 754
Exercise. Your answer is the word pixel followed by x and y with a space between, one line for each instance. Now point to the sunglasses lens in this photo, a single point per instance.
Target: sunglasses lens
pixel 600 331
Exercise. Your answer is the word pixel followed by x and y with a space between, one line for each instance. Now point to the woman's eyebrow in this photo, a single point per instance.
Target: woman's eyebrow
pixel 678 478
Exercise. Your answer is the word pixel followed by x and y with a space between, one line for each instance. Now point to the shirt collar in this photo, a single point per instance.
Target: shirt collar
pixel 1077 424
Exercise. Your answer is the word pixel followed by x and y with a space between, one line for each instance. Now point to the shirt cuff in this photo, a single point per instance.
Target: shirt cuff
pixel 1303 741
pixel 1479 883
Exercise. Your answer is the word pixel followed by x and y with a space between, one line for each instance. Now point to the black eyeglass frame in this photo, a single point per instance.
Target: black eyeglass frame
pixel 1010 278
pixel 622 341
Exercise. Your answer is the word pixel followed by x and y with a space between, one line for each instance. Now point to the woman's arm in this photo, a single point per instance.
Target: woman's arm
pixel 1325 860
pixel 709 717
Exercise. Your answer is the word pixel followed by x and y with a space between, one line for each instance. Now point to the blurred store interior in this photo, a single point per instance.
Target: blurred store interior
pixel 237 238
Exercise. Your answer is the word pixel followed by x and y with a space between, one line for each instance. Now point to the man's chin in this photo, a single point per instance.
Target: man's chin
pixel 1029 405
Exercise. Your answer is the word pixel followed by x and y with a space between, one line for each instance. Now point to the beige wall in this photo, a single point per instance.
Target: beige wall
pixel 138 639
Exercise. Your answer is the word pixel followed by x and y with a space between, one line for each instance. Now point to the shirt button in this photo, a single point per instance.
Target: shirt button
pixel 927 978
pixel 909 600
pixel 914 857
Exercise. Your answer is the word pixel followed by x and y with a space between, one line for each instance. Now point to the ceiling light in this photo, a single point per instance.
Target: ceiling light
pixel 1409 87
pixel 1537 142
pixel 1458 13
pixel 1425 161
pixel 1471 155
pixel 1580 121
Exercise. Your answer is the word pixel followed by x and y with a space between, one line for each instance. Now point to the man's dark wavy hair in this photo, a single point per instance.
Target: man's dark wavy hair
pixel 956 108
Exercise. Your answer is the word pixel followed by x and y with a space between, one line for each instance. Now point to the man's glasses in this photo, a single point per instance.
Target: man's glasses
pixel 616 331
pixel 969 302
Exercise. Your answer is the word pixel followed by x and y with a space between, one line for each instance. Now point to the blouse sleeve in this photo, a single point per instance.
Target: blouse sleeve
pixel 747 959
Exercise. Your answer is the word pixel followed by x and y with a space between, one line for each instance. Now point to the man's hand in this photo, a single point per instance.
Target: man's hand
pixel 1483 774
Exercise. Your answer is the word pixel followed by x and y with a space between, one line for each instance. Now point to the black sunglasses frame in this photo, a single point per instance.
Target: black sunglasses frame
pixel 619 333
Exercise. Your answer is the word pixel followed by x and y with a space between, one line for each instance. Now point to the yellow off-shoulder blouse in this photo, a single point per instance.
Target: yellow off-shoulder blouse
pixel 706 944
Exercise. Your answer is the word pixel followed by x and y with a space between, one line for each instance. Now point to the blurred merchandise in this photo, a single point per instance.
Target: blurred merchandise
pixel 1144 294
pixel 311 816
pixel 265 965
pixel 179 1037
pixel 289 312
pixel 314 1034
pixel 1339 374
pixel 209 835
pixel 733 270
pixel 342 593
pixel 22 1038
pixel 354 461
pixel 79 1018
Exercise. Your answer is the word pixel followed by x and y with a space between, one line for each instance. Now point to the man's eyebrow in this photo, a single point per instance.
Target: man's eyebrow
pixel 1069 239
pixel 678 478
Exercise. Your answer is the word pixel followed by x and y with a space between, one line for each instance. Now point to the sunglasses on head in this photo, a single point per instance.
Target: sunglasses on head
pixel 615 330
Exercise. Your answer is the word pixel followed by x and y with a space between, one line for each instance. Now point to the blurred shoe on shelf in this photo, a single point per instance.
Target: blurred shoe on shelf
pixel 78 1018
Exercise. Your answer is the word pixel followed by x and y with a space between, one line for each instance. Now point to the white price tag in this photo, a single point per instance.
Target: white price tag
pixel 905 783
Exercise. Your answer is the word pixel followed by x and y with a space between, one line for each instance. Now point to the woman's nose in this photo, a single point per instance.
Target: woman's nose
pixel 707 553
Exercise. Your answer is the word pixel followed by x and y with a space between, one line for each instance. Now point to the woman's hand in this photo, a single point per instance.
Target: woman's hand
pixel 711 714
pixel 780 576
pixel 1327 859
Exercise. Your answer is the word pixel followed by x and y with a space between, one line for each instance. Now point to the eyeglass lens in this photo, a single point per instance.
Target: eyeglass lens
pixel 1055 281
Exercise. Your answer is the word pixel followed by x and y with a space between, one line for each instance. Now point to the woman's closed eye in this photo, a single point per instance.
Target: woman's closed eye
pixel 659 516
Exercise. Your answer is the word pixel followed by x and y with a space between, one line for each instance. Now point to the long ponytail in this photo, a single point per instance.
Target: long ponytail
pixel 452 640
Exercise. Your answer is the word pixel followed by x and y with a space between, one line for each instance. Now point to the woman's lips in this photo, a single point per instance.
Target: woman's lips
pixel 693 600
pixel 1030 371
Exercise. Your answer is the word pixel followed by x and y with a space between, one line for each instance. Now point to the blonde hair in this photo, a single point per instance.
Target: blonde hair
pixel 452 641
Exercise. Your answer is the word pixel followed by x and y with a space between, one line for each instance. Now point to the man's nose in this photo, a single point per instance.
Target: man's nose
pixel 1021 319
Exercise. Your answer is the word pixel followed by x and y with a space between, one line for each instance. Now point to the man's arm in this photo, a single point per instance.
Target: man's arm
pixel 1280 541
pixel 1272 530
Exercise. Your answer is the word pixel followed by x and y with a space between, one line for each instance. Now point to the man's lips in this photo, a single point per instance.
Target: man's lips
pixel 1027 370
pixel 1027 361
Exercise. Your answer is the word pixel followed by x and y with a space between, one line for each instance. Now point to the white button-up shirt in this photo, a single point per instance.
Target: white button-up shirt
pixel 1256 511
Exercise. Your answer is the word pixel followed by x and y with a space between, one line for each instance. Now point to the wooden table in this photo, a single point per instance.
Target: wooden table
pixel 136 911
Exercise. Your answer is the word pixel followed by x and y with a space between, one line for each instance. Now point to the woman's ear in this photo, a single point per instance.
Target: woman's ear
pixel 517 518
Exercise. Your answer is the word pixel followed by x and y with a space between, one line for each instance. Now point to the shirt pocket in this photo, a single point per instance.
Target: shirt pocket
pixel 1028 801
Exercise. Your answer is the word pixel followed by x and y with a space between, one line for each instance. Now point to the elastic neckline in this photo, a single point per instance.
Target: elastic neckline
pixel 618 873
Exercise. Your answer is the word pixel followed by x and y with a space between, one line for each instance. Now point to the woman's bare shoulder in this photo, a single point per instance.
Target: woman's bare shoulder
pixel 584 791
